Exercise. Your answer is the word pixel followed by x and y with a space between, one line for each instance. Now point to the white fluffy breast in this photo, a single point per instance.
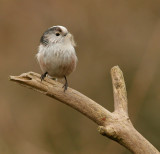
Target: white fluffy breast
pixel 57 59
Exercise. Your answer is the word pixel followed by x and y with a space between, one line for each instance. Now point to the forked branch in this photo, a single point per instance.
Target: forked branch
pixel 115 125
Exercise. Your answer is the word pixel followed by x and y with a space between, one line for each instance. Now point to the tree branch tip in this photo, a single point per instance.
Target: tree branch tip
pixel 21 77
pixel 116 72
pixel 115 68
pixel 10 77
pixel 24 76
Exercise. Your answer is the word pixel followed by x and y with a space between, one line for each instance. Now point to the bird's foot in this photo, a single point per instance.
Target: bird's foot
pixel 65 86
pixel 43 76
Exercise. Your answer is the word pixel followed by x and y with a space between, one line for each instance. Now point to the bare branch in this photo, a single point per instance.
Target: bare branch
pixel 119 90
pixel 116 125
pixel 71 97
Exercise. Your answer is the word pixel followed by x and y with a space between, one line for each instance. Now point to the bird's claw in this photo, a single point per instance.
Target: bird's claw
pixel 65 86
pixel 43 76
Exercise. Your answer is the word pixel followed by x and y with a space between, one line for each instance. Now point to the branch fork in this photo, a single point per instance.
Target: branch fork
pixel 114 125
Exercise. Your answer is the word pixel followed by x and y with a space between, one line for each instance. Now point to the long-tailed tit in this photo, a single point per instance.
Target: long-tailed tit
pixel 56 54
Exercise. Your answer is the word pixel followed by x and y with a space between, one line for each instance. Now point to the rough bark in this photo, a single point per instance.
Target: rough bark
pixel 116 125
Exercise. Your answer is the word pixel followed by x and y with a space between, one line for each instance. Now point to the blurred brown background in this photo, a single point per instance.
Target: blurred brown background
pixel 108 33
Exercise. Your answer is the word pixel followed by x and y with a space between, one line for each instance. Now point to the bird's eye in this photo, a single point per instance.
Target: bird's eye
pixel 57 34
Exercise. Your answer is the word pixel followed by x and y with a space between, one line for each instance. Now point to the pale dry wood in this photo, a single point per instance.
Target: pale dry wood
pixel 70 97
pixel 116 125
pixel 119 91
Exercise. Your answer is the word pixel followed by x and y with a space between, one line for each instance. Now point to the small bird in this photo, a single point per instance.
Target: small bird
pixel 56 53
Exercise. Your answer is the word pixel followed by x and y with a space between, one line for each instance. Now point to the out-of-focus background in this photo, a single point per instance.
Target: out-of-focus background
pixel 108 33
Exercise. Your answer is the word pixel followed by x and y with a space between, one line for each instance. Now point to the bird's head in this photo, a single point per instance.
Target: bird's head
pixel 56 34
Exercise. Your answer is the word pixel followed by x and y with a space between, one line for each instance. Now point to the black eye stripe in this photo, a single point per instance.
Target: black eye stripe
pixel 44 40
pixel 58 29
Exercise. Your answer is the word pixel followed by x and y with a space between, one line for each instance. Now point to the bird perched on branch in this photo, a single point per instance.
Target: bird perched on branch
pixel 56 54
